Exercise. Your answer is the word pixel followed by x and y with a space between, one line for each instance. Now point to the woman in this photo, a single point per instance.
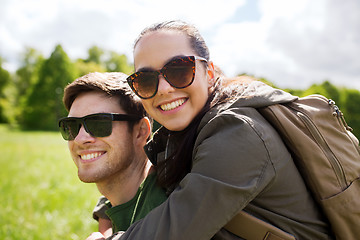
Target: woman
pixel 215 154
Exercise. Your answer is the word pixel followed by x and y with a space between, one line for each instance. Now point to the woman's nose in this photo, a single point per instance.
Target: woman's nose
pixel 164 86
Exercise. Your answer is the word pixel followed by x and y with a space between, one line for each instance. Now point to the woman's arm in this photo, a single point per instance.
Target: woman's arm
pixel 231 166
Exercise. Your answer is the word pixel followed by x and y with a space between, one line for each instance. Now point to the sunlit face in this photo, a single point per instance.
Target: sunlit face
pixel 173 108
pixel 99 158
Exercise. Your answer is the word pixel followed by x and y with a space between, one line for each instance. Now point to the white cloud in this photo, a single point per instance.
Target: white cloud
pixel 322 42
pixel 292 43
pixel 295 43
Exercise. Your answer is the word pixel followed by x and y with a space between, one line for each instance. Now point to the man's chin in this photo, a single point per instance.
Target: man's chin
pixel 88 178
pixel 85 180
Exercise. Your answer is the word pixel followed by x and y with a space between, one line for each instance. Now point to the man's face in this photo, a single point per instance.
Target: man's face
pixel 99 158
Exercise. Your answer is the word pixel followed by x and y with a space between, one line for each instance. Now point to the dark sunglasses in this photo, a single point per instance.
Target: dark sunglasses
pixel 97 125
pixel 179 73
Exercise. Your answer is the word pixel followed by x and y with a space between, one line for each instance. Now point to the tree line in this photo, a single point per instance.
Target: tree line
pixel 31 97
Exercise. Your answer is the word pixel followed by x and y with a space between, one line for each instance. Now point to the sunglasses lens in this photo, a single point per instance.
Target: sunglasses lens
pixel 145 83
pixel 180 72
pixel 99 126
pixel 69 128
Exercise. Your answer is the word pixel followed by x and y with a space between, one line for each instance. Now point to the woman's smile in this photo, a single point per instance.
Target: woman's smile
pixel 172 105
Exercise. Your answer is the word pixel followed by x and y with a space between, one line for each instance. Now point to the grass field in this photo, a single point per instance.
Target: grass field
pixel 40 194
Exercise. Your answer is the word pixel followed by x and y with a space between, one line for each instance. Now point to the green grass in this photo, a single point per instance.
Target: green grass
pixel 41 196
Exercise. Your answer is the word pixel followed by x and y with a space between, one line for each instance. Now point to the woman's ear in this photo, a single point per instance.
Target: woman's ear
pixel 210 71
pixel 143 131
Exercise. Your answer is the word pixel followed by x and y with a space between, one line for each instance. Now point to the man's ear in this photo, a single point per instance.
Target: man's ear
pixel 142 130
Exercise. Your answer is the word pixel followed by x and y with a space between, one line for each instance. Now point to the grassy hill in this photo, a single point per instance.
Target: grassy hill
pixel 40 194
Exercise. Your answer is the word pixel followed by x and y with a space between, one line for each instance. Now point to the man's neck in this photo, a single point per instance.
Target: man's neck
pixel 122 187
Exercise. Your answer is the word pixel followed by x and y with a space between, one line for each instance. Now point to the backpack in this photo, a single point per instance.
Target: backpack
pixel 327 155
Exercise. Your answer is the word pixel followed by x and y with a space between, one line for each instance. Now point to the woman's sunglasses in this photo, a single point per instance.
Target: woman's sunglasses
pixel 179 73
pixel 97 125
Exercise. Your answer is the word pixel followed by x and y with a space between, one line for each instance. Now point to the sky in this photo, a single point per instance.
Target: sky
pixel 291 43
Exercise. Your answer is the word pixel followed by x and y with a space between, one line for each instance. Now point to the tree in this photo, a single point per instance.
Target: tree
pixel 351 109
pixel 95 55
pixel 103 61
pixel 326 89
pixel 27 74
pixel 4 81
pixel 25 78
pixel 83 67
pixel 44 104
pixel 118 63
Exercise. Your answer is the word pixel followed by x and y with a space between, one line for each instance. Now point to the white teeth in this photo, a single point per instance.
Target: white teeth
pixel 90 156
pixel 172 105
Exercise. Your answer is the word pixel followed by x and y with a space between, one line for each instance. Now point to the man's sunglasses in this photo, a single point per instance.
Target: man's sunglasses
pixel 179 73
pixel 97 125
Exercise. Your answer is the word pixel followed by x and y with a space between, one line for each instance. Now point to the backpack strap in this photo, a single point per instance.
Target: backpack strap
pixel 249 227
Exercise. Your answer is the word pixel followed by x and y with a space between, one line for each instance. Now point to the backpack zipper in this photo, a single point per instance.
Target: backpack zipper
pixel 340 116
pixel 337 113
pixel 329 154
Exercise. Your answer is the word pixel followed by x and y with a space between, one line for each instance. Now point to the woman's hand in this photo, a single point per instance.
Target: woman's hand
pixel 96 236
pixel 105 227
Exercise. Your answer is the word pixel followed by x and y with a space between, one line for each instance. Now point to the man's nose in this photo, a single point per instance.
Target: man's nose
pixel 83 136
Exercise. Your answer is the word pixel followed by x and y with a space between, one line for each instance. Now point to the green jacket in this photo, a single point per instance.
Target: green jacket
pixel 239 162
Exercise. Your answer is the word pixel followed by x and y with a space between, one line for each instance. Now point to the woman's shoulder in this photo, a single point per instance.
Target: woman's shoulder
pixel 254 94
pixel 234 121
pixel 244 103
pixel 229 112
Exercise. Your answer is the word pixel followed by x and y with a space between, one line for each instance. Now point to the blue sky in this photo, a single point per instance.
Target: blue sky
pixel 291 43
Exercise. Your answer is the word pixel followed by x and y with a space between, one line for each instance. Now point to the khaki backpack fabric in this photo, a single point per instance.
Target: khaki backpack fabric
pixel 328 157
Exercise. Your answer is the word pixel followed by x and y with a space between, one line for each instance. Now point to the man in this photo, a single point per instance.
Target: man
pixel 106 130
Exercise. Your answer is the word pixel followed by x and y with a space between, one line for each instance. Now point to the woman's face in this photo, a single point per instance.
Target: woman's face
pixel 171 107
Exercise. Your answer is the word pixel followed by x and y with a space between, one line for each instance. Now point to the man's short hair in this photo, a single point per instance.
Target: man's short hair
pixel 112 84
